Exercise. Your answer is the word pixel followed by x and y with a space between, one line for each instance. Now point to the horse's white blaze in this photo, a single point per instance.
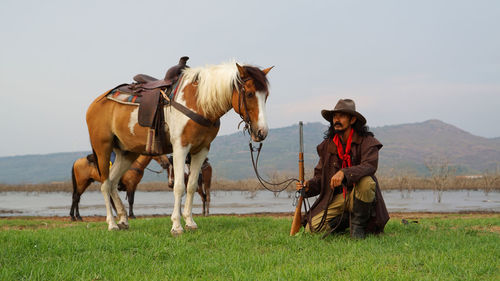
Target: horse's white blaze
pixel 134 119
pixel 262 122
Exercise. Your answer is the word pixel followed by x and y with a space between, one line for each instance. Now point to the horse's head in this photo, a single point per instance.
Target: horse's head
pixel 249 100
pixel 163 161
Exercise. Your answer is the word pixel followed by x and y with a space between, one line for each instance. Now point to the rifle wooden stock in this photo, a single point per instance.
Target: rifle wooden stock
pixel 297 216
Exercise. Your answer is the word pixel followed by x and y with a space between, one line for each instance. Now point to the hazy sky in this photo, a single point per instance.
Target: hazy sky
pixel 401 61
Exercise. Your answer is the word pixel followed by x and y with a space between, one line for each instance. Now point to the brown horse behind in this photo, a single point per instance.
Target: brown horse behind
pixel 84 172
pixel 204 183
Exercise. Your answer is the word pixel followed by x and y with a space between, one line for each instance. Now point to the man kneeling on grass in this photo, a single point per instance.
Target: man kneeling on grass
pixel 344 178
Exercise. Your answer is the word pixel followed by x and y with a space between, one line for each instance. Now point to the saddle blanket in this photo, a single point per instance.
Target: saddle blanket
pixel 123 97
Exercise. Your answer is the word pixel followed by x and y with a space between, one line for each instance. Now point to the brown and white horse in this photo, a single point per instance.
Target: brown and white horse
pixel 84 172
pixel 209 91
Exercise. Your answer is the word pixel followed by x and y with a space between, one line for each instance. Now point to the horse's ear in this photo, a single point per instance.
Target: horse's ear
pixel 241 70
pixel 266 71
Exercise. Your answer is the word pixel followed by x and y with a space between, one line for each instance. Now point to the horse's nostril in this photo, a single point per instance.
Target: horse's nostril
pixel 261 134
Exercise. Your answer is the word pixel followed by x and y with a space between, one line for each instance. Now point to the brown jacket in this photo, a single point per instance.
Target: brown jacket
pixel 364 157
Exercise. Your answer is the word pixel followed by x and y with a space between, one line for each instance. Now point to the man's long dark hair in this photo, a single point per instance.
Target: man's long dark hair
pixel 361 130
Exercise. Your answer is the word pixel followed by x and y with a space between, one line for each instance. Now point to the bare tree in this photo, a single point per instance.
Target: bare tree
pixel 440 175
pixel 490 179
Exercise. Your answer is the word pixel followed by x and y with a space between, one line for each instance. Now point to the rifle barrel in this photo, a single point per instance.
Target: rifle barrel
pixel 297 217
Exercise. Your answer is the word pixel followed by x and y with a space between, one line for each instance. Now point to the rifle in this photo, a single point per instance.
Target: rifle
pixel 297 217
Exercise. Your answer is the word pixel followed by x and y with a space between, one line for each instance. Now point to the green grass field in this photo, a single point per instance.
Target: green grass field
pixel 455 247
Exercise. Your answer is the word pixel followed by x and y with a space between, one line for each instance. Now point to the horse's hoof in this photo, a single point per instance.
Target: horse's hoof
pixel 73 219
pixel 79 218
pixel 123 225
pixel 113 227
pixel 177 232
pixel 131 217
pixel 191 227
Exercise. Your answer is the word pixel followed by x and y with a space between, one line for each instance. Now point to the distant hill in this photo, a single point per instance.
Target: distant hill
pixel 410 145
pixel 406 148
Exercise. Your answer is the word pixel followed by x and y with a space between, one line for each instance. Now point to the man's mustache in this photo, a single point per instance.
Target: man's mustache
pixel 337 123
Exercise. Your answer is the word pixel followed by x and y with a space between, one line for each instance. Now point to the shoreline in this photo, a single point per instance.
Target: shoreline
pixel 394 215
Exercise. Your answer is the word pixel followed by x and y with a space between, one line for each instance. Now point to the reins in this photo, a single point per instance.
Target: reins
pixel 255 160
pixel 263 182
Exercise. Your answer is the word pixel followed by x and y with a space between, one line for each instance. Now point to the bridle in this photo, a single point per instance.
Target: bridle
pixel 242 100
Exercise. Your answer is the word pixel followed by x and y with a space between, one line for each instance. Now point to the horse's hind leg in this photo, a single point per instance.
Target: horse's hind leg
pixel 74 205
pixel 130 195
pixel 196 162
pixel 203 197
pixel 122 163
pixel 75 210
pixel 207 181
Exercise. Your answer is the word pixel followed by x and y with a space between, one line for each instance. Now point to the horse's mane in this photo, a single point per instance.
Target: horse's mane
pixel 216 84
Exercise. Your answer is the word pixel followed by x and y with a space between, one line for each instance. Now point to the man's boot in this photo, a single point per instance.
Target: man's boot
pixel 339 223
pixel 359 218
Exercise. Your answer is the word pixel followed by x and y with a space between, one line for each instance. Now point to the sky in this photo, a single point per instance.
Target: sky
pixel 400 61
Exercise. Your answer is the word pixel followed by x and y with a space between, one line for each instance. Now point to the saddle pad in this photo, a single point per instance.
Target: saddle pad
pixel 125 98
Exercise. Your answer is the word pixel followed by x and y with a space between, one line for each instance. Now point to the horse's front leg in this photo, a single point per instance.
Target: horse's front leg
pixel 179 154
pixel 196 162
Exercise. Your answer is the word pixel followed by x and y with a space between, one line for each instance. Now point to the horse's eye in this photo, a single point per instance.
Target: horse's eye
pixel 250 94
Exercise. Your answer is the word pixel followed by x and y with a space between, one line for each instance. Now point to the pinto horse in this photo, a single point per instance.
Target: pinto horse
pixel 84 172
pixel 207 91
pixel 204 183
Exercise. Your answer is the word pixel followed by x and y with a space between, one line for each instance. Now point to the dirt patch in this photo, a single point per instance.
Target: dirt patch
pixel 487 228
pixel 420 215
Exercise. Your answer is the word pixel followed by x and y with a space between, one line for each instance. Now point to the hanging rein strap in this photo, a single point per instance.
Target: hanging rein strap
pixel 346 162
pixel 263 182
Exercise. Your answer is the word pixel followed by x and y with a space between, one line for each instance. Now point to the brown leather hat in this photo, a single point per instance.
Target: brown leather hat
pixel 176 70
pixel 345 106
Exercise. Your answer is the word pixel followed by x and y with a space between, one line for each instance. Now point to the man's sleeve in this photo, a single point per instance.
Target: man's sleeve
pixel 315 182
pixel 369 161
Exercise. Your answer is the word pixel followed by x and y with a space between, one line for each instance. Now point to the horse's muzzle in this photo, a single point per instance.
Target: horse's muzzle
pixel 260 135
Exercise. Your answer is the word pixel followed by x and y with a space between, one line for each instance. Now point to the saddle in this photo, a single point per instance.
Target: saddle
pixel 147 90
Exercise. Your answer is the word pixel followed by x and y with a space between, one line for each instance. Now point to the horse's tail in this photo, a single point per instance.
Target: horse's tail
pixel 73 178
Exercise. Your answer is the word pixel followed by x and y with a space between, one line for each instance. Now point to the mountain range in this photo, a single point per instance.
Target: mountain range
pixel 407 148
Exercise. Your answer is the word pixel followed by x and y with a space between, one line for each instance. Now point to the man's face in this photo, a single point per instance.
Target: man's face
pixel 342 122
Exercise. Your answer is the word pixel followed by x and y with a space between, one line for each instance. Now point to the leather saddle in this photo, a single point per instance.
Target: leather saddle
pixel 151 104
pixel 148 88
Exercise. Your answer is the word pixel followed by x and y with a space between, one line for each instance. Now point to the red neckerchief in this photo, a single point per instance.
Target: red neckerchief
pixel 345 157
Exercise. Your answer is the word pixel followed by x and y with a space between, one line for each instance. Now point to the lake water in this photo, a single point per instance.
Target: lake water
pixel 236 202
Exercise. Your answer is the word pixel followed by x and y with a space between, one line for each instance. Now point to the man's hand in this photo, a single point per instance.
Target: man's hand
pixel 337 179
pixel 299 186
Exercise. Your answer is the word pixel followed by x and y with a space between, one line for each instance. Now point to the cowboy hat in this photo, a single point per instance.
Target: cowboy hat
pixel 344 106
